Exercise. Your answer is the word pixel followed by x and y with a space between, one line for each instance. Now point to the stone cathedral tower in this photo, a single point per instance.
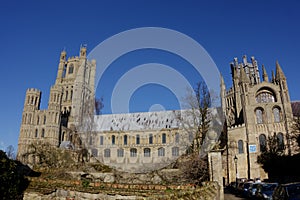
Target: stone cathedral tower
pixel 72 91
pixel 255 108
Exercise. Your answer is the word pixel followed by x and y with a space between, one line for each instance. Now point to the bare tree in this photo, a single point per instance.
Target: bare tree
pixel 10 152
pixel 295 136
pixel 196 118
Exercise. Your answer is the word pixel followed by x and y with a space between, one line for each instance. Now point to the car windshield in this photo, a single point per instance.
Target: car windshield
pixel 247 185
pixel 254 186
pixel 293 190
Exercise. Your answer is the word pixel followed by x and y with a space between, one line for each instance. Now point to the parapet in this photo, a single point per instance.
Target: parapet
pixel 33 90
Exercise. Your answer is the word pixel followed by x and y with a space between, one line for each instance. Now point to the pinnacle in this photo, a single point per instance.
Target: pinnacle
pixel 279 72
pixel 265 75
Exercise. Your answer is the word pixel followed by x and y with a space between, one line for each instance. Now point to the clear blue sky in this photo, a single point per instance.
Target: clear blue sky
pixel 33 33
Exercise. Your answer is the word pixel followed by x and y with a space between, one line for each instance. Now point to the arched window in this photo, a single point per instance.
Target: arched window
pixel 259 115
pixel 71 94
pixel 101 140
pixel 36 133
pixel 280 141
pixel 43 133
pixel 106 153
pixel 91 140
pixel 125 139
pixel 71 68
pixel 175 151
pixel 147 152
pixel 150 139
pixel 176 137
pixel 120 152
pixel 137 139
pixel 133 152
pixel 25 118
pixel 161 152
pixel 66 95
pixel 29 119
pixel 164 138
pixel 262 143
pixel 38 120
pixel 241 146
pixel 45 119
pixel 276 113
pixel 265 97
pixel 113 139
pixel 94 152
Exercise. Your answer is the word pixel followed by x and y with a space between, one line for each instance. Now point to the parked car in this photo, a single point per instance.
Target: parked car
pixel 265 190
pixel 252 190
pixel 290 191
pixel 232 186
pixel 245 188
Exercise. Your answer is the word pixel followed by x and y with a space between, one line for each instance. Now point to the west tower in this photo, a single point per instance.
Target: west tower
pixel 72 91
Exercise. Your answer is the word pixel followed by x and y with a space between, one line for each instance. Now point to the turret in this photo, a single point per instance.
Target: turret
pixel 82 52
pixel 61 66
pixel 32 100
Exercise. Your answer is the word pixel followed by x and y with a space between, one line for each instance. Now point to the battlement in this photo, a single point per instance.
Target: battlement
pixel 73 58
pixel 236 126
pixel 33 90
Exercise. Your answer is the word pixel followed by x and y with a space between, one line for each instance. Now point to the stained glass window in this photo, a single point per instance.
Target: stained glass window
pixel 133 152
pixel 262 143
pixel 161 152
pixel 147 152
pixel 164 138
pixel 280 141
pixel 241 146
pixel 265 97
pixel 120 152
pixel 175 151
pixel 107 153
pixel 125 139
pixel 276 113
pixel 259 116
pixel 150 139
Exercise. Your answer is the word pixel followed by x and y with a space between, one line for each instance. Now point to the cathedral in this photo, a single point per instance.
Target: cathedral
pixel 255 107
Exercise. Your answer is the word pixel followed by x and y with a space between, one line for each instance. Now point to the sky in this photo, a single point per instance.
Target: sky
pixel 33 33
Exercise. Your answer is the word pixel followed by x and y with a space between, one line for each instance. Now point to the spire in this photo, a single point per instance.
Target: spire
pixel 273 77
pixel 265 75
pixel 243 76
pixel 279 72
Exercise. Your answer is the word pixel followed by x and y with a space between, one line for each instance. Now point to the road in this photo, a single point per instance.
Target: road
pixel 231 197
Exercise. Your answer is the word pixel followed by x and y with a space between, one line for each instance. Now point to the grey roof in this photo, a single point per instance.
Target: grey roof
pixel 137 121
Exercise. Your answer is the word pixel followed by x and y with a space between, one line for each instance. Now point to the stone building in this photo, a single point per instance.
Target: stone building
pixel 74 84
pixel 255 108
